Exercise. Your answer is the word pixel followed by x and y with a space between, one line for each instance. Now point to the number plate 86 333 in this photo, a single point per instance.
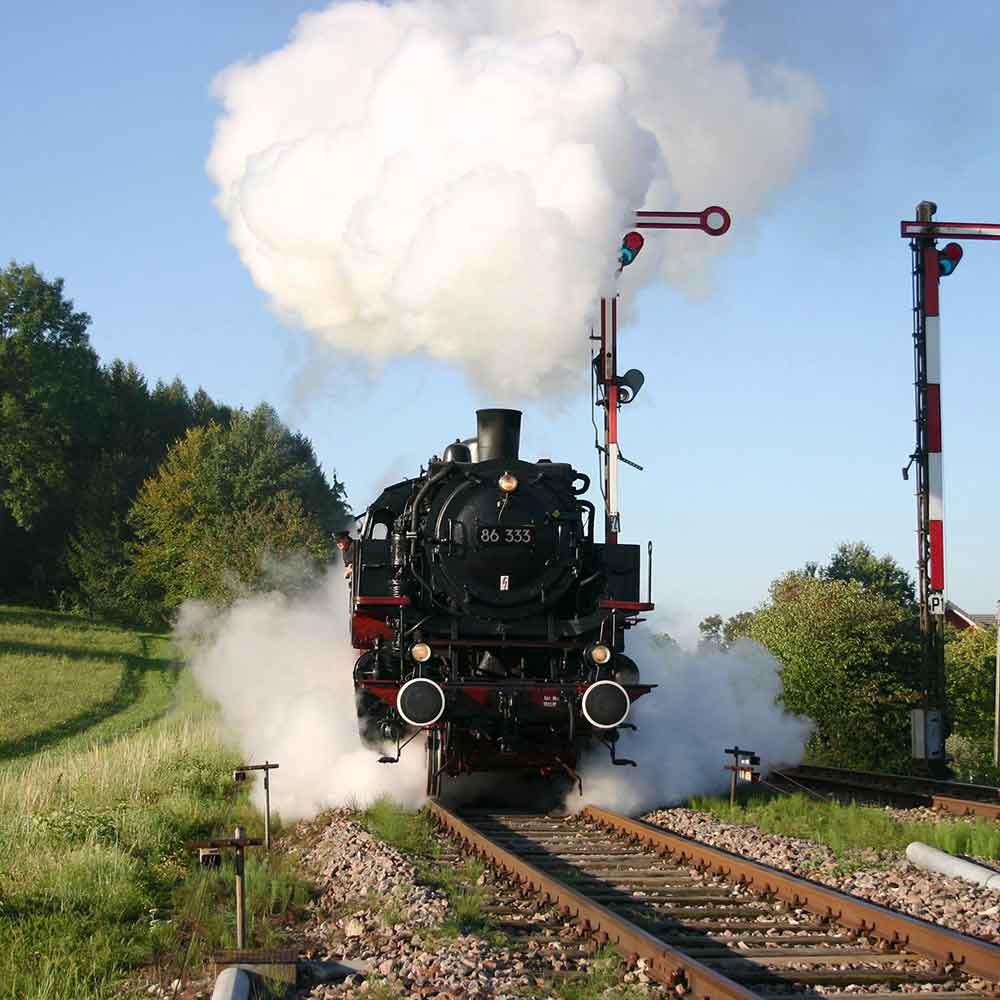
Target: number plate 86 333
pixel 507 534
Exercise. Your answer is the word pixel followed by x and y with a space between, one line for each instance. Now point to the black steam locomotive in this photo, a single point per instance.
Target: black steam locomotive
pixel 487 616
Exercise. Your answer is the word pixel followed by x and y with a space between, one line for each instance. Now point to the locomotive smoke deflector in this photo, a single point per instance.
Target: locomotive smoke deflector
pixel 498 434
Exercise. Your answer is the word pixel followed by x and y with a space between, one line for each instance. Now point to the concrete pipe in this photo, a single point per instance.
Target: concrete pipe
pixel 232 984
pixel 932 860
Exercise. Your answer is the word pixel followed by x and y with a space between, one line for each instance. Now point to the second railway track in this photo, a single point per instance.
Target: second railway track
pixel 713 924
pixel 954 797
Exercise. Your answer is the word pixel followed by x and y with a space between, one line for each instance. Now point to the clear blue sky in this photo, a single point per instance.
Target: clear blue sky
pixel 776 414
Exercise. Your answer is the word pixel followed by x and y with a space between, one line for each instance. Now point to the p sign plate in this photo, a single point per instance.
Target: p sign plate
pixel 935 602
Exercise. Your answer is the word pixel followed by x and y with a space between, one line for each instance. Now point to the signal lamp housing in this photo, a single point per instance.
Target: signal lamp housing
pixel 631 245
pixel 948 259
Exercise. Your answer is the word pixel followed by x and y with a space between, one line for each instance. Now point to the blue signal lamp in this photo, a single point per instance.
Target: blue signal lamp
pixel 948 259
pixel 631 245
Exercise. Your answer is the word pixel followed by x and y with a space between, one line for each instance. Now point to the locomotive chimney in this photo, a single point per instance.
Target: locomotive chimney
pixel 498 434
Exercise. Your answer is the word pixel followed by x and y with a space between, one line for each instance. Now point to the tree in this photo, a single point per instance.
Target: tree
pixel 970 676
pixel 221 499
pixel 136 429
pixel 737 627
pixel 848 656
pixel 711 631
pixel 721 634
pixel 881 574
pixel 49 385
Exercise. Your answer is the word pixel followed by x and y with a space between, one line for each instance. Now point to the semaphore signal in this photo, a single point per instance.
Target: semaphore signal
pixel 930 265
pixel 615 390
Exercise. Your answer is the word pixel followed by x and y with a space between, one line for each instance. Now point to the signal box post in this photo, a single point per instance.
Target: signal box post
pixel 616 389
pixel 742 769
pixel 930 265
pixel 238 843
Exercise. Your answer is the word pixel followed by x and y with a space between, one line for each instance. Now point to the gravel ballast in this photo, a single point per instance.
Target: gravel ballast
pixel 370 909
pixel 884 877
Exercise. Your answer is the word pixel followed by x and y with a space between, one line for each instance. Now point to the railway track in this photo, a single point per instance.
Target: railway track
pixel 953 797
pixel 716 925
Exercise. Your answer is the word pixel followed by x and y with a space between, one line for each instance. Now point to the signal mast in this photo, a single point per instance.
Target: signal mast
pixel 614 390
pixel 929 266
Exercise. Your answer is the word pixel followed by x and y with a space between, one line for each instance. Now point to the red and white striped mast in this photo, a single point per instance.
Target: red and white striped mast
pixel 929 266
pixel 622 389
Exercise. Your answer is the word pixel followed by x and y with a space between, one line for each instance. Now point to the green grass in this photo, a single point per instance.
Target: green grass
pixel 66 683
pixel 94 877
pixel 413 834
pixel 849 829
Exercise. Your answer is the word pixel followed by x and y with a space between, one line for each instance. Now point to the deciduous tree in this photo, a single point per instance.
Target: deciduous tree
pixel 848 656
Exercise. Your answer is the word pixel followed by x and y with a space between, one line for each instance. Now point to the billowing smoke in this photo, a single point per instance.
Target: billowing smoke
pixel 708 699
pixel 453 176
pixel 280 667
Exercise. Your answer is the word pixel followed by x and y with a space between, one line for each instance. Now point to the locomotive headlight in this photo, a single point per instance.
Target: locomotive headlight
pixel 421 652
pixel 507 482
pixel 599 653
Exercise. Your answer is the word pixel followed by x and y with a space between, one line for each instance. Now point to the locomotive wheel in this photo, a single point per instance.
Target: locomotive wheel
pixel 435 757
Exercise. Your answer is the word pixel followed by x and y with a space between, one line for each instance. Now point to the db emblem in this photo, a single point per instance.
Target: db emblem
pixel 505 583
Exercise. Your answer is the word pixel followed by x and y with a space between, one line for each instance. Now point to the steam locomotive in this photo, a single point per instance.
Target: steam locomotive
pixel 488 618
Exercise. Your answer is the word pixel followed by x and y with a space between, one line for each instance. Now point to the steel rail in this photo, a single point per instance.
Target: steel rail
pixel 949 947
pixel 665 964
pixel 953 797
pixel 904 784
pixel 966 807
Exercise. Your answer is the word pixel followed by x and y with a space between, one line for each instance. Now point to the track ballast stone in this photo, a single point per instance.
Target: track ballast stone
pixel 370 908
pixel 887 877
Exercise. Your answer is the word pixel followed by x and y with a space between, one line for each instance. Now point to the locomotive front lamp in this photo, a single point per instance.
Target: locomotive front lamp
pixel 600 654
pixel 507 482
pixel 421 652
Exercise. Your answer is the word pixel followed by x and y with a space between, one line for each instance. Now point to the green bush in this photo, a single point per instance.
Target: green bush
pixel 849 657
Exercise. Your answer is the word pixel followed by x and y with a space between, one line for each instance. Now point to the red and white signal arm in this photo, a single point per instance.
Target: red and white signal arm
pixel 713 220
pixel 956 230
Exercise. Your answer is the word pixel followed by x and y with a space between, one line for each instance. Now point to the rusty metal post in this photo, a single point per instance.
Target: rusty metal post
pixel 240 774
pixel 241 903
pixel 267 807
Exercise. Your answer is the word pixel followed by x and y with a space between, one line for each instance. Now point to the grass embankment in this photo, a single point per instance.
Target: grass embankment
pixel 109 761
pixel 847 829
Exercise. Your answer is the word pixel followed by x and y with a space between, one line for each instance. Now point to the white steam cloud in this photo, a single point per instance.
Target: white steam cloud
pixel 280 667
pixel 707 700
pixel 453 176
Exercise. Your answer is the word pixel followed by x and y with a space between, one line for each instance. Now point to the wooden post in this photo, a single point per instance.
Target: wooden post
pixel 209 852
pixel 241 903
